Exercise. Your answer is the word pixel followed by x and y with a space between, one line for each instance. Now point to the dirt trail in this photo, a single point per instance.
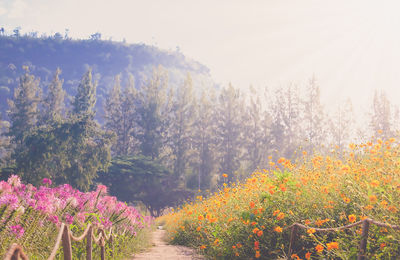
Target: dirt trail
pixel 161 250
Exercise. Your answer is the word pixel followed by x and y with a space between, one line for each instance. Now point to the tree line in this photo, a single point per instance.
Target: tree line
pixel 188 137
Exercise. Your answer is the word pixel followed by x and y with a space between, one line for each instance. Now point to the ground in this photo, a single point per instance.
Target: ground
pixel 161 250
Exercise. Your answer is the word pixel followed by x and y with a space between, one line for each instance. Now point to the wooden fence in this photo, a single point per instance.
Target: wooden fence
pixel 362 248
pixel 65 237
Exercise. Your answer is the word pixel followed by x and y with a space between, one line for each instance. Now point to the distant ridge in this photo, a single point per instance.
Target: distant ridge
pixel 107 59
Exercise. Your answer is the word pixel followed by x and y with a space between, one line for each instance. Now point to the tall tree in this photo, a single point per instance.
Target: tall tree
pixel 85 99
pixel 4 142
pixel 53 104
pixel 341 124
pixel 205 139
pixel 181 127
pixel 23 108
pixel 254 142
pixel 153 108
pixel 229 129
pixel 314 118
pixel 120 116
pixel 381 116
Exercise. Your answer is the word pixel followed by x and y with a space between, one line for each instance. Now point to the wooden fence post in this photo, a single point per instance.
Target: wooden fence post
pixel 292 239
pixel 363 243
pixel 102 247
pixel 66 243
pixel 89 244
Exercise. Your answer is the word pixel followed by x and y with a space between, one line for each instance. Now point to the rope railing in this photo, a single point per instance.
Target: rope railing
pixel 362 247
pixel 64 238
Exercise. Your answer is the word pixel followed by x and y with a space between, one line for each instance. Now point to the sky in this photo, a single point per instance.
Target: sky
pixel 351 47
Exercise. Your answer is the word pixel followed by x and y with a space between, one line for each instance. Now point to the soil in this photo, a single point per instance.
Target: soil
pixel 162 250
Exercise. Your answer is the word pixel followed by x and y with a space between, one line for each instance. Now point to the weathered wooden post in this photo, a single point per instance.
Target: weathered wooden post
pixel 89 244
pixel 66 243
pixel 102 247
pixel 292 239
pixel 363 243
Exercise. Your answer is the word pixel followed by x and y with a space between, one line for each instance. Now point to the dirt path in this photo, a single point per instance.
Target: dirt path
pixel 161 250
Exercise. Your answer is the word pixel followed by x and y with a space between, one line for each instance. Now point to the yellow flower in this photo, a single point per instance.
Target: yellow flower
pixel 352 218
pixel 311 231
pixel 332 245
pixel 278 229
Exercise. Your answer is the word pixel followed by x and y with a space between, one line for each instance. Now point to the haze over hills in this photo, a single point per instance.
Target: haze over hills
pixel 107 59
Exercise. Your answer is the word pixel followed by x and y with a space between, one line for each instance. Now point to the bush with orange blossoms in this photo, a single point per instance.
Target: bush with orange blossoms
pixel 319 191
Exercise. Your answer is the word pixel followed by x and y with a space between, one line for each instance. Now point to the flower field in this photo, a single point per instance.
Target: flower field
pixel 251 219
pixel 31 216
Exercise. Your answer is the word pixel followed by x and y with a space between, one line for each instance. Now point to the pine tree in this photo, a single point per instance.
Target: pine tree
pixel 381 116
pixel 205 139
pixel 120 116
pixel 229 130
pixel 153 109
pixel 254 143
pixel 23 108
pixel 341 125
pixel 53 104
pixel 85 99
pixel 314 118
pixel 181 127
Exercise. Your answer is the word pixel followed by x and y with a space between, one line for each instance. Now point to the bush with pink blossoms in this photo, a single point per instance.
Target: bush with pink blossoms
pixel 31 216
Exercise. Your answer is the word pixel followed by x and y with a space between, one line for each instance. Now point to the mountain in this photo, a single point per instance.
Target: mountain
pixel 106 58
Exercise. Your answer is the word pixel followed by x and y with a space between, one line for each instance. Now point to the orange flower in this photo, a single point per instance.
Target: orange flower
pixel 374 183
pixel 352 218
pixel 201 217
pixel 382 245
pixel 203 247
pixel 278 229
pixel 257 254
pixel 281 160
pixel 276 212
pixel 332 245
pixel 255 230
pixel 319 248
pixel 373 199
pixel 308 255
pixel 260 233
pixel 346 200
pixel 225 175
pixel 256 245
pixel 280 216
pixel 282 187
pixel 311 231
pixel 198 228
pixel 295 256
pixel 252 204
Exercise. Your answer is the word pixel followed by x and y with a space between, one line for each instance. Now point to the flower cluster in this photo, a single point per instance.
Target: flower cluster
pixel 25 208
pixel 318 192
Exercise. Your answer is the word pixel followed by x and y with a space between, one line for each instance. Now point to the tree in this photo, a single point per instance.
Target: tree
pixel 139 178
pixel 314 118
pixel 153 109
pixel 23 108
pixel 181 127
pixel 53 104
pixel 120 116
pixel 254 143
pixel 341 125
pixel 69 150
pixel 204 140
pixel 381 116
pixel 4 143
pixel 85 99
pixel 229 130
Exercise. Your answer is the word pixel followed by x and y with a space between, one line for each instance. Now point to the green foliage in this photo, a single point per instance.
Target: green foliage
pixel 139 178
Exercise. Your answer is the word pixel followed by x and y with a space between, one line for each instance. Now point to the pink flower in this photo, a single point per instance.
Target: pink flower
pixel 54 219
pixel 17 230
pixel 47 181
pixel 69 219
pixel 101 188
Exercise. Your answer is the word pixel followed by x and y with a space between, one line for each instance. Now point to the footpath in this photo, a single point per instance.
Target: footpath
pixel 161 250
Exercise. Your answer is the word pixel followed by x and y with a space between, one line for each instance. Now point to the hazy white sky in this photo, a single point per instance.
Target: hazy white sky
pixel 351 46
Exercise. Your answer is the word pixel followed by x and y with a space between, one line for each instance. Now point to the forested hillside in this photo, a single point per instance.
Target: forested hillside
pixel 107 58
